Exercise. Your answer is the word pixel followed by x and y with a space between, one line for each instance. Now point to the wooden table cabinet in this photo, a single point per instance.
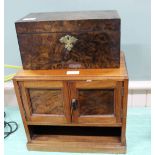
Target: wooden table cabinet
pixel 81 113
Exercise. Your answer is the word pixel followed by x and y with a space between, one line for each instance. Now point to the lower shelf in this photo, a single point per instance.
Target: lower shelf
pixel 76 139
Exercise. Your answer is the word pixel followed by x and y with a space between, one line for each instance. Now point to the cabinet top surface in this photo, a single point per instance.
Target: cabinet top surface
pixel 59 16
pixel 84 74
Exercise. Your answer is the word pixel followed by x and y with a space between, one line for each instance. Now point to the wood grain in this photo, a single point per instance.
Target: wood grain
pixel 39 84
pixel 76 139
pixel 96 84
pixel 69 21
pixel 84 74
pixel 21 108
pixel 97 46
pixel 46 101
pixel 78 147
pixel 124 112
pixel 73 132
pixel 99 101
pixel 118 101
pixel 92 50
pixel 106 122
pixel 96 102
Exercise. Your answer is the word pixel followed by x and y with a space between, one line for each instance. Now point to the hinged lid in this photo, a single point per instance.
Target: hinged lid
pixel 68 21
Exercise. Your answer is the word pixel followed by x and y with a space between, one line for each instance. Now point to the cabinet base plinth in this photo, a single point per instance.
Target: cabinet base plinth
pixel 77 144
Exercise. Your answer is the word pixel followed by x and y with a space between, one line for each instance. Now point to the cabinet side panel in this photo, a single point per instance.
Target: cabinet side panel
pixel 21 108
pixel 124 117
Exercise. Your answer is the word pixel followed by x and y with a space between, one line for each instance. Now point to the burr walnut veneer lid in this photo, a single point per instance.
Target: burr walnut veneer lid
pixel 67 21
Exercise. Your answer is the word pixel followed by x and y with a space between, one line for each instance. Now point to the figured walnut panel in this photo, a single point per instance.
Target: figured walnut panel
pixel 96 102
pixel 71 15
pixel 69 21
pixel 68 26
pixel 84 74
pixel 92 50
pixel 46 101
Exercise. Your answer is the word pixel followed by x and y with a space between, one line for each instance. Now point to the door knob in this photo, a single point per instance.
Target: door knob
pixel 74 104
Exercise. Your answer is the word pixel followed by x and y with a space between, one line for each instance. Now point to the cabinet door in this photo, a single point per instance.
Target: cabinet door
pixel 45 102
pixel 96 102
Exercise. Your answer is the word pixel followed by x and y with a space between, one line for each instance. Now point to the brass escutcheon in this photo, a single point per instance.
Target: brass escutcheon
pixel 69 41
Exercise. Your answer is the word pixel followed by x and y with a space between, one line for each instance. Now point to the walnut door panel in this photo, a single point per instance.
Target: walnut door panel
pixel 53 101
pixel 98 49
pixel 98 102
pixel 45 101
